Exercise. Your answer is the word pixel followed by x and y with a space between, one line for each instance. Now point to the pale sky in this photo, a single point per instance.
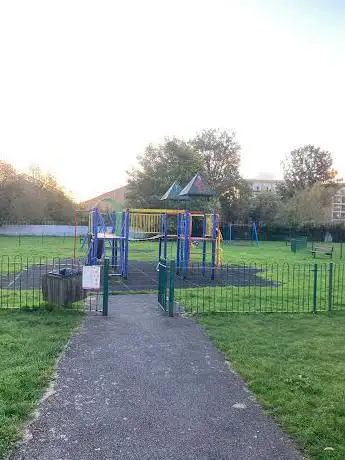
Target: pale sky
pixel 86 85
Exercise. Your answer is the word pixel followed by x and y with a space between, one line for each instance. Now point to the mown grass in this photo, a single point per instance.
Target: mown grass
pixel 30 299
pixel 268 288
pixel 295 364
pixel 22 298
pixel 38 247
pixel 63 247
pixel 274 288
pixel 30 342
pixel 267 252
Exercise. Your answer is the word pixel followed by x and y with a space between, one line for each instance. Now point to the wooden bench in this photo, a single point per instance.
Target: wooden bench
pixel 326 250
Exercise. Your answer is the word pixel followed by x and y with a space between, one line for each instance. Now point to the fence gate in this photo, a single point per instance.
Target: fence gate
pixel 166 280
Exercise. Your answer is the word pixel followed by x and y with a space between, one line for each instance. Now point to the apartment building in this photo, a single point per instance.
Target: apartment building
pixel 270 185
pixel 263 185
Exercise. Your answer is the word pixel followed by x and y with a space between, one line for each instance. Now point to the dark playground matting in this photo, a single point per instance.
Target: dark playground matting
pixel 143 276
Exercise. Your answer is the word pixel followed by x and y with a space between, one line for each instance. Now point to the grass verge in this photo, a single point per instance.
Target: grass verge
pixel 295 364
pixel 30 342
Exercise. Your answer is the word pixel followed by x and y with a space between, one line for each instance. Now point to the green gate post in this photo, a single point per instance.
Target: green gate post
pixel 330 286
pixel 159 282
pixel 171 287
pixel 105 287
pixel 165 284
pixel 315 288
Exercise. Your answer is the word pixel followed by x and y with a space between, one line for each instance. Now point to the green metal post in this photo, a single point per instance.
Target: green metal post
pixel 171 287
pixel 165 284
pixel 105 287
pixel 330 286
pixel 341 251
pixel 159 283
pixel 315 288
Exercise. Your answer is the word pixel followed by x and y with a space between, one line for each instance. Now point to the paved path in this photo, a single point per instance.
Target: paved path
pixel 140 385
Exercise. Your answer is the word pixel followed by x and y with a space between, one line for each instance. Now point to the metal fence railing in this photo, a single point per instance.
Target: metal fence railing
pixel 166 283
pixel 267 288
pixel 22 280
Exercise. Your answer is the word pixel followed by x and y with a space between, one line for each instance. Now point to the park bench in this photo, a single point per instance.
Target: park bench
pixel 326 250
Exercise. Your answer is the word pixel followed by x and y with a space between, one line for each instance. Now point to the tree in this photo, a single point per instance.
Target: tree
pixel 7 172
pixel 305 167
pixel 237 209
pixel 32 198
pixel 159 167
pixel 264 207
pixel 220 153
pixel 311 206
pixel 213 153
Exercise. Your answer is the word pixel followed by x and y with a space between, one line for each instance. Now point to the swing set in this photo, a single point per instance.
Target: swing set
pixel 241 234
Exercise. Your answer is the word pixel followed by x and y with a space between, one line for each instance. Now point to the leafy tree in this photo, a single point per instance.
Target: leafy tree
pixel 305 167
pixel 237 209
pixel 311 206
pixel 220 153
pixel 264 207
pixel 7 172
pixel 159 167
pixel 8 187
pixel 214 153
pixel 32 198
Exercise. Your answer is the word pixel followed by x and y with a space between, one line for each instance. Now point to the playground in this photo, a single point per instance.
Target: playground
pixel 212 273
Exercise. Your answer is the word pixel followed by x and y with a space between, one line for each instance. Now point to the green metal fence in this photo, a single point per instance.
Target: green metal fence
pixel 23 281
pixel 269 288
pixel 166 285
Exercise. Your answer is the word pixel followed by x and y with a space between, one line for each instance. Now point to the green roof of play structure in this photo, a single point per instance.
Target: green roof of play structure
pixel 197 187
pixel 173 193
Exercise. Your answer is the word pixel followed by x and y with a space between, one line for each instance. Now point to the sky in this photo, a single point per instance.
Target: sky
pixel 86 85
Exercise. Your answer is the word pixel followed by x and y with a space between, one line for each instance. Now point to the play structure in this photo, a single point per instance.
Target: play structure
pixel 193 231
pixel 109 236
pixel 241 234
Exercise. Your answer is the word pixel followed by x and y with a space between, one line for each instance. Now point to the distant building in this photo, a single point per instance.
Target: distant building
pixel 270 185
pixel 338 206
pixel 115 200
pixel 263 185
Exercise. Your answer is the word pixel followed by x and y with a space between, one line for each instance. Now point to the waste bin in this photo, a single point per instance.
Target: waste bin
pixel 293 245
pixel 63 287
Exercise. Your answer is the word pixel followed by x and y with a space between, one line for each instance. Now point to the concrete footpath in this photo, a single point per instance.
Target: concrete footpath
pixel 140 385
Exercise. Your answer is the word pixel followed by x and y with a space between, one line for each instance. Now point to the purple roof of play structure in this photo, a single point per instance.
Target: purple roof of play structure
pixel 197 187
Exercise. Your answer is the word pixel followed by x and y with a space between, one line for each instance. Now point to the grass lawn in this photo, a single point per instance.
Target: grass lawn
pixel 36 247
pixel 295 364
pixel 30 342
pixel 268 252
pixel 60 247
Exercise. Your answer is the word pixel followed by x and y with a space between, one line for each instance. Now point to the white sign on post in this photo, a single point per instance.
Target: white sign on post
pixel 92 277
